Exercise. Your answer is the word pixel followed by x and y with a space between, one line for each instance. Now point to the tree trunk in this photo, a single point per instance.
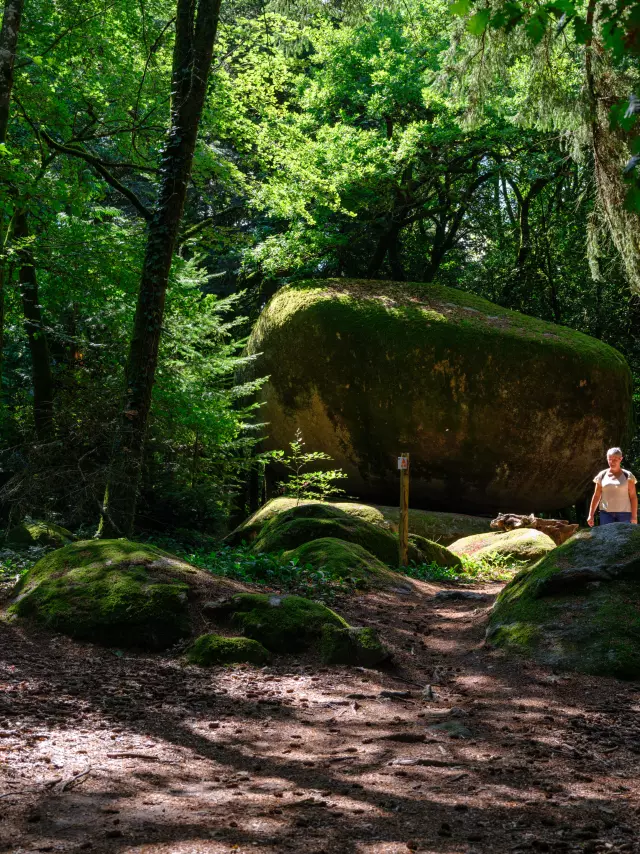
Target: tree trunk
pixel 611 152
pixel 193 49
pixel 8 41
pixel 42 377
pixel 11 20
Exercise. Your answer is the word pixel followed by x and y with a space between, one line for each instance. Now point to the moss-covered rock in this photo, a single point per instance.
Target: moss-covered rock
pixel 283 624
pixel 345 561
pixel 342 645
pixel 433 552
pixel 38 534
pixel 519 544
pixel 442 528
pixel 113 592
pixel 498 409
pixel 251 527
pixel 308 522
pixel 211 649
pixel 577 608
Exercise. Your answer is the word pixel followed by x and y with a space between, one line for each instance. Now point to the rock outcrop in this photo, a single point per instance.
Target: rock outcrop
pixel 116 593
pixel 497 409
pixel 292 624
pixel 442 528
pixel 35 533
pixel 305 523
pixel 578 608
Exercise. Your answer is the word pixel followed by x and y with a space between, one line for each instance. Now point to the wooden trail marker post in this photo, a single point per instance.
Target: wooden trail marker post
pixel 403 527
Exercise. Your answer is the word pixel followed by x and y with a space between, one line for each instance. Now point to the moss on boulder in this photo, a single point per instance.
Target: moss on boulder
pixel 433 552
pixel 498 409
pixel 211 649
pixel 113 592
pixel 442 528
pixel 308 522
pixel 347 562
pixel 340 645
pixel 578 608
pixel 283 624
pixel 519 544
pixel 38 534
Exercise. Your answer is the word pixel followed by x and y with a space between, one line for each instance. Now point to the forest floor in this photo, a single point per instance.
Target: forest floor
pixel 120 753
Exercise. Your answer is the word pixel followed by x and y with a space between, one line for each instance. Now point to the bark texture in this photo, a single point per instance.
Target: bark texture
pixel 11 20
pixel 196 27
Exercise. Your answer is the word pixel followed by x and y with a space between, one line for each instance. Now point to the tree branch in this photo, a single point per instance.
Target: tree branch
pixel 72 151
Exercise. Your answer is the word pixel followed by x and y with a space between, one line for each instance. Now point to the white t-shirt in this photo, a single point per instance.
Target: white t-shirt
pixel 615 490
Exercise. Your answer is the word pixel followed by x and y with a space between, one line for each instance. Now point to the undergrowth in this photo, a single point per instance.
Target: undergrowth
pixel 265 568
pixel 491 568
pixel 268 568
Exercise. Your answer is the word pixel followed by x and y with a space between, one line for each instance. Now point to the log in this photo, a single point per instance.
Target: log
pixel 558 529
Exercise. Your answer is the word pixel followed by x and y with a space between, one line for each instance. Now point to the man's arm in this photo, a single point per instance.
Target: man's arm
pixel 595 500
pixel 633 498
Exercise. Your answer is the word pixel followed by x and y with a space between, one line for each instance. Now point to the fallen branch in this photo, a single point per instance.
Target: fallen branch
pixel 72 781
pixel 126 755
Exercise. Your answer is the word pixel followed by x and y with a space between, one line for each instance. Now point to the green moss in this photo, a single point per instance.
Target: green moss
pixel 252 526
pixel 434 553
pixel 593 628
pixel 442 528
pixel 298 526
pixel 38 534
pixel 482 397
pixel 113 592
pixel 340 645
pixel 345 561
pixel 284 624
pixel 212 649
pixel 521 544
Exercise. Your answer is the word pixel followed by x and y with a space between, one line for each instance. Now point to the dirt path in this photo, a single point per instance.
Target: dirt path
pixel 505 757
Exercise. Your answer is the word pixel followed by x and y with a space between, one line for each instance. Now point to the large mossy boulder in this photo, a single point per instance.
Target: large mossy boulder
pixel 308 522
pixel 211 649
pixel 498 409
pixel 293 624
pixel 520 544
pixel 578 608
pixel 284 624
pixel 114 592
pixel 251 527
pixel 442 528
pixel 34 533
pixel 348 562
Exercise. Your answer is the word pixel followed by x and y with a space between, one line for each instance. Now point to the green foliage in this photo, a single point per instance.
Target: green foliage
pixel 301 484
pixel 290 576
pixel 390 142
pixel 491 568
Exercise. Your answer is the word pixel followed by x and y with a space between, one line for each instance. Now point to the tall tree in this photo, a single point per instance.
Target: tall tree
pixel 8 42
pixel 11 21
pixel 196 28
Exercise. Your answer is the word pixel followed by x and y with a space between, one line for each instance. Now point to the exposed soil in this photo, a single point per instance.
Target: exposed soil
pixel 105 752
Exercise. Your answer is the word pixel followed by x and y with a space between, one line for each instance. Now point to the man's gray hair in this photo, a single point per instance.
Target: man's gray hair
pixel 615 452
